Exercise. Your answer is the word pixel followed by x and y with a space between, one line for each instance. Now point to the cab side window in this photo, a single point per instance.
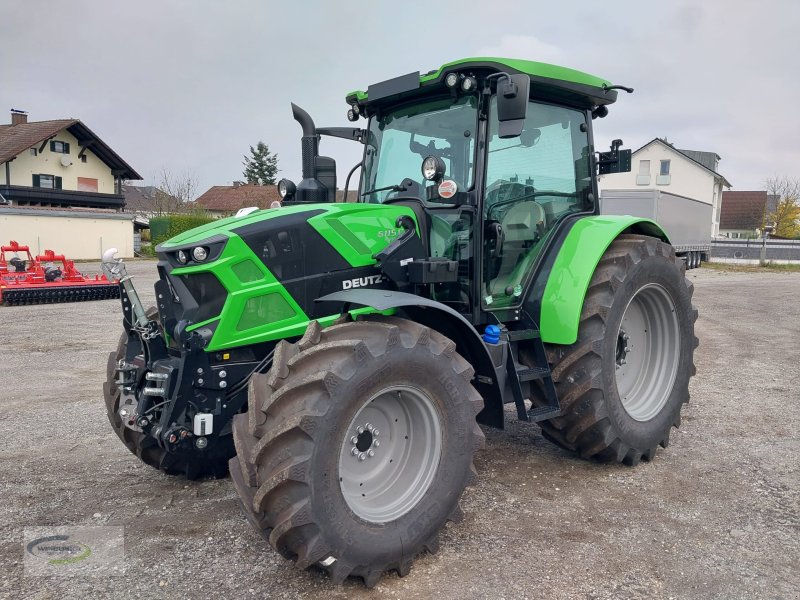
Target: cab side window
pixel 531 183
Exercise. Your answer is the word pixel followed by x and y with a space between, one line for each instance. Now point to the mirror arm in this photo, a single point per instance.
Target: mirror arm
pixel 347 133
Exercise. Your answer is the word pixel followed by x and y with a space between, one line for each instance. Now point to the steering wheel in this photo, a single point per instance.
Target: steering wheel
pixel 502 193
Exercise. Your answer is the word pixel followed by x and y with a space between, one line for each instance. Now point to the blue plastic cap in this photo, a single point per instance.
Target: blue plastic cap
pixel 491 335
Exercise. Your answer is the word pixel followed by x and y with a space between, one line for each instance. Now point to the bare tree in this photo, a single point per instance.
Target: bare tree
pixel 784 210
pixel 175 193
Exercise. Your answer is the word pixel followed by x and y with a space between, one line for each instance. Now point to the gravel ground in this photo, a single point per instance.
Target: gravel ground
pixel 716 515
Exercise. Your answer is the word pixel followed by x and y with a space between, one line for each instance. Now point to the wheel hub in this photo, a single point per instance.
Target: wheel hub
pixel 365 441
pixel 623 348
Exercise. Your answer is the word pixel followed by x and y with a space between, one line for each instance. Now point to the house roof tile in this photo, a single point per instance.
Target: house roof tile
pixel 230 198
pixel 15 139
pixel 743 210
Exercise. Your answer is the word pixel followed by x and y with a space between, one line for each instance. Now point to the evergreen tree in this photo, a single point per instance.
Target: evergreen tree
pixel 261 167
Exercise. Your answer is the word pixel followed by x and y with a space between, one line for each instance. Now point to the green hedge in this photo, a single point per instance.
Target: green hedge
pixel 166 227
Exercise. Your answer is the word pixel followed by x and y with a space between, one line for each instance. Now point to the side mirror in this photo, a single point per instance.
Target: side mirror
pixel 512 104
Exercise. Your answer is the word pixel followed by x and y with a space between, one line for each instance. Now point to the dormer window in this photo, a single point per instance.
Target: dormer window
pixel 59 147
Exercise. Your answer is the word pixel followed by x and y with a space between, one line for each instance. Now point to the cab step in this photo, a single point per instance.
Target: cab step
pixel 519 373
pixel 531 373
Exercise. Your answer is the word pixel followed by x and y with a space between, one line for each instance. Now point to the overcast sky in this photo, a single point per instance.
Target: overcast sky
pixel 189 85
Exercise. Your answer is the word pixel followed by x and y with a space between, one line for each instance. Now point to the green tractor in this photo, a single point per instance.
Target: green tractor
pixel 337 357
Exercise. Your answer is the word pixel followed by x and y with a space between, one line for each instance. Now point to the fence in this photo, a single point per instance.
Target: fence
pixel 749 251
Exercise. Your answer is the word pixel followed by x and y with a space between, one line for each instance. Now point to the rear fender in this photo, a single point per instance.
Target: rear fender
pixel 578 256
pixel 448 322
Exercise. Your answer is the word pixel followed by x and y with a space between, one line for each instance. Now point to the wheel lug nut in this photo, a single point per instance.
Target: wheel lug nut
pixel 371 452
pixel 362 456
pixel 354 451
pixel 360 429
pixel 354 440
pixel 376 443
pixel 375 432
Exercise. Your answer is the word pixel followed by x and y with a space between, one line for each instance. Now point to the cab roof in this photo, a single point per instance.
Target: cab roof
pixel 547 81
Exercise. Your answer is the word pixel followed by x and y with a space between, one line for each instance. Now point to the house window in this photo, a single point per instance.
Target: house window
pixel 33 152
pixel 60 147
pixel 87 184
pixel 663 174
pixel 50 182
pixel 643 178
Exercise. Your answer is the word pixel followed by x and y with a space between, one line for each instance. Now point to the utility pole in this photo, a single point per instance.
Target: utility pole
pixel 764 235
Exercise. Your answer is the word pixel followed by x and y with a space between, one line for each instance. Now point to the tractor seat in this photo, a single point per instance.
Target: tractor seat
pixel 523 225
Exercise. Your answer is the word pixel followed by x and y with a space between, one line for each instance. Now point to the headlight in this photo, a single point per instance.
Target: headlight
pixel 181 257
pixel 199 254
pixel 433 168
pixel 469 84
pixel 451 80
pixel 286 188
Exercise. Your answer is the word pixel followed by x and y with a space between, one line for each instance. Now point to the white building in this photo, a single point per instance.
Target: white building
pixel 61 189
pixel 689 173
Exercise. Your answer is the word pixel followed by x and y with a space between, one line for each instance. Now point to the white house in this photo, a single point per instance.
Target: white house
pixel 659 165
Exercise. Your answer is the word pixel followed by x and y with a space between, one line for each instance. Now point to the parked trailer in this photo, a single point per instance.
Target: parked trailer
pixel 686 221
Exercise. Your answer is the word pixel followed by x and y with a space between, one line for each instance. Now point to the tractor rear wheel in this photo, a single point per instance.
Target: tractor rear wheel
pixel 192 464
pixel 357 445
pixel 623 383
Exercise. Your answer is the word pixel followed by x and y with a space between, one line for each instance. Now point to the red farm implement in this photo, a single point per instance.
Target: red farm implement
pixel 25 279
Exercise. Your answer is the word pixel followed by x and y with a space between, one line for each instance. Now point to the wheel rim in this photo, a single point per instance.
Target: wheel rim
pixel 390 454
pixel 647 352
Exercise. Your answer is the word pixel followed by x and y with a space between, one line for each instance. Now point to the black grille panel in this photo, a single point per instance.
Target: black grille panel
pixel 207 292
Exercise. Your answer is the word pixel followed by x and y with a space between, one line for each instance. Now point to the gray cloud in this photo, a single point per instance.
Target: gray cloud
pixel 189 85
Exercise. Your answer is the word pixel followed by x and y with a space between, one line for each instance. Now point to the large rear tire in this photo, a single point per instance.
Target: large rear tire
pixel 357 446
pixel 192 464
pixel 623 382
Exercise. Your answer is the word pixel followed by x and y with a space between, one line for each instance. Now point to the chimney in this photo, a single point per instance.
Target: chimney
pixel 238 184
pixel 18 117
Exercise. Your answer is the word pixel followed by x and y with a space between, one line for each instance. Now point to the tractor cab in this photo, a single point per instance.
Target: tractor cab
pixel 493 156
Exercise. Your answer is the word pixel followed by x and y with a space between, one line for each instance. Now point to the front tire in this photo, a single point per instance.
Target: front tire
pixel 192 464
pixel 357 446
pixel 624 381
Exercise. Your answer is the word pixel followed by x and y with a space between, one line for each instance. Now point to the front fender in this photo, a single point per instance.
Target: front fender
pixel 449 323
pixel 584 246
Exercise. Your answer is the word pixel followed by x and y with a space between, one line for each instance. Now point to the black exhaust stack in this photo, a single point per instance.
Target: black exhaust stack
pixel 319 172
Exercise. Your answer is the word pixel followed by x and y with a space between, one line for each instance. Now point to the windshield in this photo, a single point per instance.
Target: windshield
pixel 399 140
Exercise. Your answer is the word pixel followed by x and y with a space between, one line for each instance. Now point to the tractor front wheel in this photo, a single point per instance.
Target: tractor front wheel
pixel 357 445
pixel 624 381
